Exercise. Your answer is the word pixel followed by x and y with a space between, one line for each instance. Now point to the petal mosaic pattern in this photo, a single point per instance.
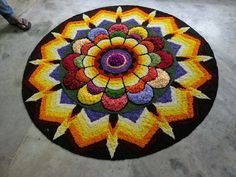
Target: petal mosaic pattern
pixel 120 82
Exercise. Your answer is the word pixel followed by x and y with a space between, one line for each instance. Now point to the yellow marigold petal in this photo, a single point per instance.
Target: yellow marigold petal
pixel 144 59
pixel 112 143
pixel 86 98
pixel 115 83
pixel 91 72
pixel 100 80
pixel 140 49
pixel 117 41
pixel 94 51
pixel 88 61
pixel 36 96
pixel 61 129
pixel 139 30
pixel 130 79
pixel 103 44
pixel 165 127
pixel 130 43
pixel 118 12
pixel 141 71
pixel 198 94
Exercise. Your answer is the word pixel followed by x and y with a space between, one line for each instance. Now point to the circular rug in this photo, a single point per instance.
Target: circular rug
pixel 120 82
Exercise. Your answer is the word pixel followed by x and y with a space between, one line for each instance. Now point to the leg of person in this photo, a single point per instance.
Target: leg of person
pixel 7 12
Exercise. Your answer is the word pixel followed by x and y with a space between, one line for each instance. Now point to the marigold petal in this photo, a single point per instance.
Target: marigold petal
pixel 87 98
pixel 139 30
pixel 71 82
pixel 141 71
pixel 161 81
pixel 100 80
pixel 136 87
pixel 158 42
pixel 103 44
pixel 117 41
pixel 88 61
pixel 166 59
pixel 144 59
pixel 94 51
pixel 100 37
pixel 118 27
pixel 130 43
pixel 140 49
pixel 130 79
pixel 77 45
pixel 68 62
pixel 115 83
pixel 80 76
pixel 91 72
pixel 114 104
pixel 149 45
pixel 86 47
pixel 151 75
pixel 93 89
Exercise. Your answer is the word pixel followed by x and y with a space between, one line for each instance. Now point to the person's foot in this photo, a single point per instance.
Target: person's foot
pixel 21 23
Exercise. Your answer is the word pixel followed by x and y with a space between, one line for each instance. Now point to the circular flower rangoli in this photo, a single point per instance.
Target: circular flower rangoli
pixel 120 82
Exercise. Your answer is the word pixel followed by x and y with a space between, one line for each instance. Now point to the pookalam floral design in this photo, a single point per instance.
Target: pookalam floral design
pixel 119 78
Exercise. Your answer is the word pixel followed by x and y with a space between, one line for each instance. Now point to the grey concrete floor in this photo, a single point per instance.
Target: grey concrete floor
pixel 209 151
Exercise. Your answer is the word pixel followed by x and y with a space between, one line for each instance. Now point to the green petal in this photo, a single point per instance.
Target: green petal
pixel 79 61
pixel 117 34
pixel 115 93
pixel 156 59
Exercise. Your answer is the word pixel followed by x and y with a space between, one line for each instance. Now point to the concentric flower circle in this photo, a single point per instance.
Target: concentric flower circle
pixel 118 66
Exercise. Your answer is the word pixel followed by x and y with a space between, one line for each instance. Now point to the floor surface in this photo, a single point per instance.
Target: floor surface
pixel 209 151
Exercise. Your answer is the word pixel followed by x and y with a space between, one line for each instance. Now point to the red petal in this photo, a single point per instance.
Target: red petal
pixel 118 27
pixel 114 104
pixel 158 42
pixel 166 59
pixel 151 75
pixel 71 83
pixel 68 62
pixel 86 47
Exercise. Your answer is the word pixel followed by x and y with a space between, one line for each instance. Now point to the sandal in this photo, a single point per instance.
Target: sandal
pixel 22 24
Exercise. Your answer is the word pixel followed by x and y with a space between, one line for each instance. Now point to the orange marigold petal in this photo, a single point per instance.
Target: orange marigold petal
pixel 136 87
pixel 150 46
pixel 100 37
pixel 81 76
